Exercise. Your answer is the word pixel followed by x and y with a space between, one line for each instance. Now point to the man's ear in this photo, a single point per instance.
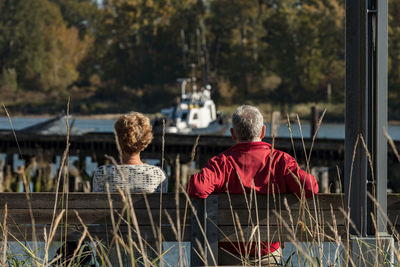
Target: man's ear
pixel 233 135
pixel 262 132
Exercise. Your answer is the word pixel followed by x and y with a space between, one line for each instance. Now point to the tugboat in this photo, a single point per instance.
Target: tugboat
pixel 194 113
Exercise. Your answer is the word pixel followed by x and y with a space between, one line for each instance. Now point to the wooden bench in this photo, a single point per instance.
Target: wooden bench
pixel 219 218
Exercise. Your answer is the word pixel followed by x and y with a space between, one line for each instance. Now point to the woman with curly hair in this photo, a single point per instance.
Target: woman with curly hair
pixel 133 134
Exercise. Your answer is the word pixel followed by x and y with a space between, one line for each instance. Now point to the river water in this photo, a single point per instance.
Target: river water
pixel 327 130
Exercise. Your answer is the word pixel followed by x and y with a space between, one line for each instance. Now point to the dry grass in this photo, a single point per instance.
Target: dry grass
pixel 134 248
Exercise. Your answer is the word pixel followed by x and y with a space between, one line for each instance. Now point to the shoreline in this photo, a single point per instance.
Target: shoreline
pixel 114 116
pixel 86 117
pixel 105 116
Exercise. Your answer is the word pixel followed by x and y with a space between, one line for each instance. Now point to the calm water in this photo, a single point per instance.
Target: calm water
pixel 83 124
pixel 327 130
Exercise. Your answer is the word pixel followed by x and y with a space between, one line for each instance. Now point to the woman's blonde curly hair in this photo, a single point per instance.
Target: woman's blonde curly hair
pixel 133 132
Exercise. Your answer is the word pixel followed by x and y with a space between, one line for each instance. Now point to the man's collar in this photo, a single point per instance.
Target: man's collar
pixel 250 145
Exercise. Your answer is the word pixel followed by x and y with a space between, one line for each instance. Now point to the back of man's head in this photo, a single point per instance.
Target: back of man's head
pixel 247 123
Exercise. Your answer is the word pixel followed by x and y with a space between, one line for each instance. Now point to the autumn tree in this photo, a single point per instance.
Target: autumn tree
pixel 36 42
pixel 236 47
pixel 81 14
pixel 140 41
pixel 278 50
pixel 306 48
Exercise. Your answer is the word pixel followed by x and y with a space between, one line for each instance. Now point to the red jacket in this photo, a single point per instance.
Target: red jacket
pixel 258 165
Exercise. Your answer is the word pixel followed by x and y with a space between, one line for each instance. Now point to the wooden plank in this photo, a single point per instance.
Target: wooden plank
pixel 93 208
pixel 89 216
pixel 225 217
pixel 226 234
pixel 99 200
pixel 96 216
pixel 279 233
pixel 100 232
pixel 87 200
pixel 323 201
pixel 211 225
pixel 393 201
pixel 197 239
pixel 104 143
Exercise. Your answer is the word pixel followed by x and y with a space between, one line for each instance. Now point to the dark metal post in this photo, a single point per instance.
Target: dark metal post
pixel 366 119
pixel 314 118
pixel 366 113
pixel 356 120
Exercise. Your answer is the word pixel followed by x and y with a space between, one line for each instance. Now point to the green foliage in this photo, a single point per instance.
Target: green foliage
pixel 236 31
pixel 9 79
pixel 35 41
pixel 283 52
pixel 138 43
pixel 81 14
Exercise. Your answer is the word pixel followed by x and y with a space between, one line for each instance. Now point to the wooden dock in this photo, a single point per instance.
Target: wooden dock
pixel 324 152
pixel 323 156
pixel 96 145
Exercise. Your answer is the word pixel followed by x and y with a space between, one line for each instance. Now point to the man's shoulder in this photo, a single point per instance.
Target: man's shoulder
pixel 221 156
pixel 233 150
pixel 279 155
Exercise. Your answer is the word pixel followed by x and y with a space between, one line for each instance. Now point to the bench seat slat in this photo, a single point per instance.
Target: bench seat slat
pixel 98 232
pixel 323 201
pixel 225 217
pixel 277 233
pixel 87 200
pixel 96 216
pixel 226 234
pixel 89 216
pixel 94 210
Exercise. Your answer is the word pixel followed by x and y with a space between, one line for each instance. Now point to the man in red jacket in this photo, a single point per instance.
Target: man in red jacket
pixel 258 166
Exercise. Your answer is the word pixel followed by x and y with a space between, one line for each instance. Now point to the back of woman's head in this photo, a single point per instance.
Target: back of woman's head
pixel 133 132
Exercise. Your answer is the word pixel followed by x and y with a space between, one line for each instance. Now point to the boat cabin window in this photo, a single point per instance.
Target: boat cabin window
pixel 184 116
pixel 211 110
pixel 195 116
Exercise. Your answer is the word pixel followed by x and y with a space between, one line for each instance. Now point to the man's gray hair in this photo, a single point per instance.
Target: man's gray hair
pixel 247 123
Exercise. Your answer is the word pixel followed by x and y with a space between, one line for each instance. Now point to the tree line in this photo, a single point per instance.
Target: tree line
pixel 278 51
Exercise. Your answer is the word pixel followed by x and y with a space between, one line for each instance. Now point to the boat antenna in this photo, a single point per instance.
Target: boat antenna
pixel 204 50
pixel 193 79
pixel 184 49
pixel 183 82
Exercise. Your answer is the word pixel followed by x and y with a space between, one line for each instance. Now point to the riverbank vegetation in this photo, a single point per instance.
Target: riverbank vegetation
pixel 113 56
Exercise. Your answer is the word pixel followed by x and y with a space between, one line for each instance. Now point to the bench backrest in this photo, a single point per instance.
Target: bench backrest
pixel 220 217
